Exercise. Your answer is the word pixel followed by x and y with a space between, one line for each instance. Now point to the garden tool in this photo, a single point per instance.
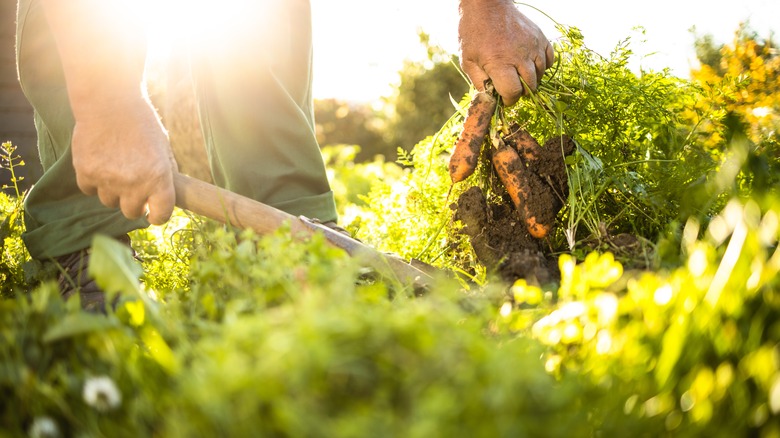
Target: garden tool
pixel 241 212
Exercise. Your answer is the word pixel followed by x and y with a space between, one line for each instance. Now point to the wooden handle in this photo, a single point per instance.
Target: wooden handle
pixel 241 212
pixel 230 208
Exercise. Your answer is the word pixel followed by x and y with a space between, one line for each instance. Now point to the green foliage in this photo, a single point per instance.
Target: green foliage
pixel 694 346
pixel 636 158
pixel 341 363
pixel 11 245
pixel 351 180
pixel 354 124
pixel 708 52
pixel 270 344
pixel 50 350
pixel 278 337
pixel 13 254
pixel 166 252
pixel 408 214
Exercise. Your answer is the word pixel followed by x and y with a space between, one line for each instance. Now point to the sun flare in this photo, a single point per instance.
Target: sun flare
pixel 207 25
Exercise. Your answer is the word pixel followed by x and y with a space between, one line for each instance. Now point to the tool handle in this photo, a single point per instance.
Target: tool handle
pixel 241 212
pixel 231 208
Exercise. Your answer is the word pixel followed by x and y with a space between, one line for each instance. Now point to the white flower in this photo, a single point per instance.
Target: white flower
pixel 44 427
pixel 102 394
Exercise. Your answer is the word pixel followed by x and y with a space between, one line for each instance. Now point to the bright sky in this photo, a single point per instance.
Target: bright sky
pixel 360 45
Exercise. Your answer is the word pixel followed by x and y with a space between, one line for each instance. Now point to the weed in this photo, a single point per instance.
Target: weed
pixel 13 253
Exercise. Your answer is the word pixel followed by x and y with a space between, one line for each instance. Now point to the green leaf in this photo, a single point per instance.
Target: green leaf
pixel 113 267
pixel 79 324
pixel 116 272
pixel 160 350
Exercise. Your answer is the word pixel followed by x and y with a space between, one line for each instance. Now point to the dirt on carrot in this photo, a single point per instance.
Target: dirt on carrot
pixel 504 232
pixel 531 196
pixel 465 156
pixel 500 239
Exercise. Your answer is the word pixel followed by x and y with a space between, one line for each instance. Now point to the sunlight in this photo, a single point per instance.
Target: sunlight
pixel 359 46
pixel 237 26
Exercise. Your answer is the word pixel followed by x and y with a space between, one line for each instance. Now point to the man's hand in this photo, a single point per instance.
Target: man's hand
pixel 501 44
pixel 122 155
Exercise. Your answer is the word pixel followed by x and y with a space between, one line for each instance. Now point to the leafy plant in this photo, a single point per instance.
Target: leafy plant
pixel 740 79
pixel 636 157
pixel 13 253
pixel 634 163
pixel 689 346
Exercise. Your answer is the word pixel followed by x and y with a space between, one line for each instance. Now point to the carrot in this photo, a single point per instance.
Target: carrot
pixel 525 144
pixel 465 156
pixel 530 195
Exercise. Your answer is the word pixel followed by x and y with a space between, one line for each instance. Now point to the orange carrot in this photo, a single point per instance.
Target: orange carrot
pixel 525 144
pixel 529 194
pixel 465 156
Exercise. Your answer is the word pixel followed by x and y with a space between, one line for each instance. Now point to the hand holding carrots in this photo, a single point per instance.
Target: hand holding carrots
pixel 502 48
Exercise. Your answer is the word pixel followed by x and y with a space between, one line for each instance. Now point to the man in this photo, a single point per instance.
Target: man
pixel 106 156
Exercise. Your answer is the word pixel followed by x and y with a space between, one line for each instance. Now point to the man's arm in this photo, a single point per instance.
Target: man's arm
pixel 500 43
pixel 120 149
